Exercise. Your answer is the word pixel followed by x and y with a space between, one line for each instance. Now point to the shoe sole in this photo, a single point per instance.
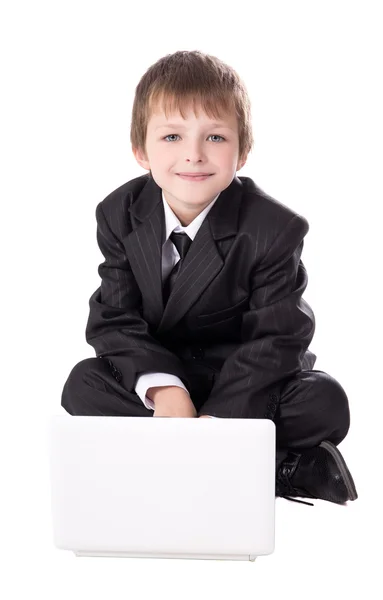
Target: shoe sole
pixel 340 462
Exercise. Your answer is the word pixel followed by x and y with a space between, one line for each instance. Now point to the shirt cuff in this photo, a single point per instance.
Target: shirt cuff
pixel 154 379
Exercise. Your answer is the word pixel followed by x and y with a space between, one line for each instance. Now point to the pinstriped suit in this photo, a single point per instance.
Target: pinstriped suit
pixel 235 322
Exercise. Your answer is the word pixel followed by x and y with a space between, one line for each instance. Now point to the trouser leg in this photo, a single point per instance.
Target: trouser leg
pixel 313 407
pixel 91 389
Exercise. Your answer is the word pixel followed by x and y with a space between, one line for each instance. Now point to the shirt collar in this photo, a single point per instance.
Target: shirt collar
pixel 172 222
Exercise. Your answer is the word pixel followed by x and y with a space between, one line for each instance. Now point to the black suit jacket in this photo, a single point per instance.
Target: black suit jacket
pixel 236 308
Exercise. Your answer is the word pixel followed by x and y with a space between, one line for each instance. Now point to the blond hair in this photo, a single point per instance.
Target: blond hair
pixel 191 77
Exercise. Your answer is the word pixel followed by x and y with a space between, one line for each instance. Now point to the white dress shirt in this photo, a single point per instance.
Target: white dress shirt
pixel 170 257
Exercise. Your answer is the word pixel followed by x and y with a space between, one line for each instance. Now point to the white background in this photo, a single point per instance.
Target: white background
pixel 68 75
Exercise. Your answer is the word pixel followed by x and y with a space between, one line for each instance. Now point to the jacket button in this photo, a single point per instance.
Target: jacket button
pixel 117 375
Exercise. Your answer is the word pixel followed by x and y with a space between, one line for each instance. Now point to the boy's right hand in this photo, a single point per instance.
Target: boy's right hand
pixel 171 401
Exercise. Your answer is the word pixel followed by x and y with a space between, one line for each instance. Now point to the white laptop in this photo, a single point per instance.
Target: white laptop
pixel 163 487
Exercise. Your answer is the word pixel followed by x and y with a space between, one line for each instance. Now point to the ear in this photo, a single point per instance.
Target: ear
pixel 241 163
pixel 141 158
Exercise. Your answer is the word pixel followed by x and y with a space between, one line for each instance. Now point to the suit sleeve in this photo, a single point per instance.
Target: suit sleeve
pixel 276 332
pixel 115 327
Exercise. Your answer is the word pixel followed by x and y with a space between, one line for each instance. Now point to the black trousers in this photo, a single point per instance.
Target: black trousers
pixel 313 406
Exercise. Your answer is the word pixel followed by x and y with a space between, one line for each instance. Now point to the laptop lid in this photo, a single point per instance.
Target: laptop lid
pixel 163 487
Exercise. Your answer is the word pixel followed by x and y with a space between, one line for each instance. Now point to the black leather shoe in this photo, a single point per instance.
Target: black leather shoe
pixel 319 472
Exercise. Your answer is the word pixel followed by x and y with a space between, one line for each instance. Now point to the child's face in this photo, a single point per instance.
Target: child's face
pixel 191 145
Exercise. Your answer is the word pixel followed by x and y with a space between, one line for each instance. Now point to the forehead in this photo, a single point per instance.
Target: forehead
pixel 191 115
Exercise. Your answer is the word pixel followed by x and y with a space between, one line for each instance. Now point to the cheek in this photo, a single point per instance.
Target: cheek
pixel 161 155
pixel 165 150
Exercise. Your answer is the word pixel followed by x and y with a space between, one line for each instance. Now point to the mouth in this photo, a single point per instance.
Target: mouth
pixel 195 177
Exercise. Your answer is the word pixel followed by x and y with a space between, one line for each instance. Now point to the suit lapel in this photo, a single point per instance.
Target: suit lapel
pixel 202 263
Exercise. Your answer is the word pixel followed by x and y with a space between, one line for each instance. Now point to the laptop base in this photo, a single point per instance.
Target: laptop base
pixel 122 554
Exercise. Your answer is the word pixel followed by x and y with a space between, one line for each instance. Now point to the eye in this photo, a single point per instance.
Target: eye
pixel 176 134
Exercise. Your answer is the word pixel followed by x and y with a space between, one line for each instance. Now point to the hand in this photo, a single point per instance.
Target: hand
pixel 177 410
pixel 175 402
pixel 202 416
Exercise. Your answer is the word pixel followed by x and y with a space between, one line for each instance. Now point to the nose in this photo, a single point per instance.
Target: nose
pixel 194 152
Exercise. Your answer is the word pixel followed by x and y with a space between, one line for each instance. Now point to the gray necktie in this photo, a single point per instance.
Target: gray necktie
pixel 182 242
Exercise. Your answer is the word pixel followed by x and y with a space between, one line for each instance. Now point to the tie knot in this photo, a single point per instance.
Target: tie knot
pixel 181 241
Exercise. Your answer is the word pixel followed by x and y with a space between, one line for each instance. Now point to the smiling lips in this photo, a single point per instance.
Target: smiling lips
pixel 191 173
pixel 194 176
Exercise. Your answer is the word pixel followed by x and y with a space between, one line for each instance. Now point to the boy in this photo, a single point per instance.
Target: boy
pixel 200 310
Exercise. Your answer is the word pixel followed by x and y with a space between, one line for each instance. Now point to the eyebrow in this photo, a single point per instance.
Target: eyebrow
pixel 180 126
